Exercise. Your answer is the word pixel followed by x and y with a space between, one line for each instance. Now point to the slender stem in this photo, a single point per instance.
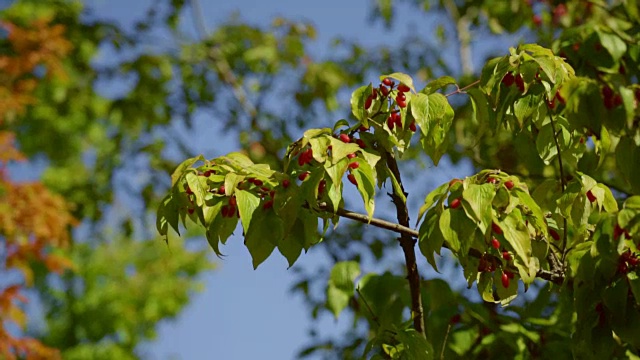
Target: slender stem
pixel 462 89
pixel 407 243
pixel 221 65
pixel 562 181
pixel 554 275
pixel 364 300
pixel 444 343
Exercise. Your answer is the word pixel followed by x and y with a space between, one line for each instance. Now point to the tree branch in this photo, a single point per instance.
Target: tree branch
pixel 407 242
pixel 555 275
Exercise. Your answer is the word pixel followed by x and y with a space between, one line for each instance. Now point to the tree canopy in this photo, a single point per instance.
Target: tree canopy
pixel 546 228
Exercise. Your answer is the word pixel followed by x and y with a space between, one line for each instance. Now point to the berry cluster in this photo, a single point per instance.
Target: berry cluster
pixel 394 120
pixel 628 261
pixel 610 98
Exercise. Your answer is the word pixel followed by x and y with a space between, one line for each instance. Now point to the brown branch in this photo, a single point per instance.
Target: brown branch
pixel 407 243
pixel 554 275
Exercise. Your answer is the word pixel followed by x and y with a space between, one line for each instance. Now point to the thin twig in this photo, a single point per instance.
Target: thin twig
pixel 461 90
pixel 364 300
pixel 221 65
pixel 562 181
pixel 444 343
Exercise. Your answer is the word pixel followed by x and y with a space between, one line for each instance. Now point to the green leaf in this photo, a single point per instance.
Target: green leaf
pixel 198 185
pixel 435 195
pixel 265 232
pixel 415 345
pixel 434 115
pixel 438 84
pixel 366 185
pixel 627 158
pixel 248 202
pixel 341 285
pixel 340 150
pixel 613 43
pixel 401 77
pixel 179 171
pixel 291 246
pixel 430 238
pixel 358 98
pixel 545 143
pixel 476 201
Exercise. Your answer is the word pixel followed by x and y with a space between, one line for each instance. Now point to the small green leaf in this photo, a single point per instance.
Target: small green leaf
pixel 248 202
pixel 366 186
pixel 179 171
pixel 341 285
pixel 438 84
pixel 432 197
pixel 476 201
pixel 358 98
pixel 265 232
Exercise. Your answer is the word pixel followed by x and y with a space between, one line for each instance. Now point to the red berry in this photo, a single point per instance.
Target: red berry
pixel 495 243
pixel 554 234
pixel 221 190
pixel 590 196
pixel 191 210
pixel 508 79
pixel 384 90
pixel 623 268
pixel 387 81
pixel 537 20
pixel 455 203
pixel 374 93
pixel 403 88
pixel 390 122
pixel 257 182
pixel 187 189
pixel 233 201
pixel 351 156
pixel 455 319
pixel 267 205
pixel 401 97
pixel 520 83
pixel 509 184
pixel 634 261
pixel 506 255
pixel 225 211
pixel 496 229
pixel 345 138
pixel 361 143
pixel 354 165
pixel 352 179
pixel 285 183
pixel 367 103
pixel 402 104
pixel 322 186
pixel 505 280
pixel 413 127
pixel 617 100
pixel 560 98
pixel 363 128
pixel 492 180
pixel 303 176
